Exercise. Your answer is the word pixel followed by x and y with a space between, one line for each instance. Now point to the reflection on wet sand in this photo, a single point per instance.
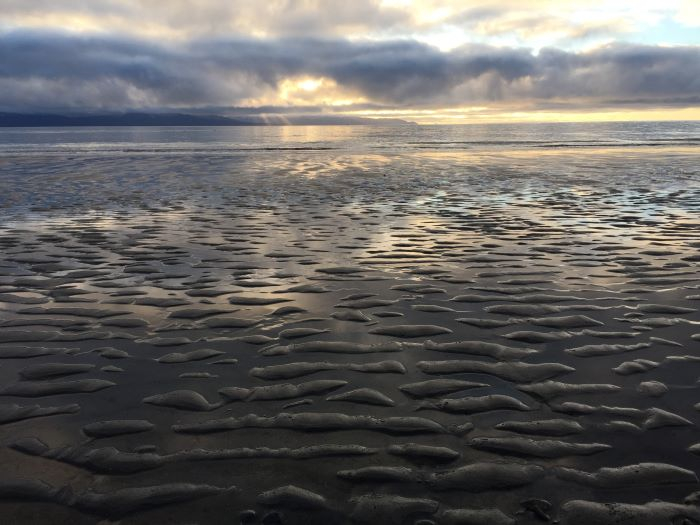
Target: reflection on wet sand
pixel 319 338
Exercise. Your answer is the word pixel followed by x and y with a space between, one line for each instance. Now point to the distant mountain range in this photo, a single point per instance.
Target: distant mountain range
pixel 182 119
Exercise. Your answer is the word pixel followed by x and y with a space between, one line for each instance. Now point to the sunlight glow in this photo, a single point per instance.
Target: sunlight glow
pixel 311 84
pixel 484 114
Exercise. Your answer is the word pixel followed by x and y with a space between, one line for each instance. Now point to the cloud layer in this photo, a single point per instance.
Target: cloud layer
pixel 44 70
pixel 520 21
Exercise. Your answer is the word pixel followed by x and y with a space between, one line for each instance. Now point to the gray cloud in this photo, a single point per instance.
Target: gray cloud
pixel 43 70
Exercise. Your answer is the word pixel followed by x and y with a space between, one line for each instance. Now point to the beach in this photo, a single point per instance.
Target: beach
pixel 351 324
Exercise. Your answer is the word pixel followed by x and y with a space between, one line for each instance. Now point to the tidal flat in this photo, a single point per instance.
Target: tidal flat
pixel 348 326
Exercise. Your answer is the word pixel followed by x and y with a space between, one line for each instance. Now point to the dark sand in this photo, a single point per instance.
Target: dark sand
pixel 325 339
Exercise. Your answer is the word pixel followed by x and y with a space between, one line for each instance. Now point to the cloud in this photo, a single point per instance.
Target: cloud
pixel 60 71
pixel 482 19
pixel 180 18
pixel 533 26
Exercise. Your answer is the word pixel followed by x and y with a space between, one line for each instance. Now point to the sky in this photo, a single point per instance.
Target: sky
pixel 428 61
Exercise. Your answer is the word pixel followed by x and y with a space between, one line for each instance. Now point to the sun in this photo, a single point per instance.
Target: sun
pixel 309 84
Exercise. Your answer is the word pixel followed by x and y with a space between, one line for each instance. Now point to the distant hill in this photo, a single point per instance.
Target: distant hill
pixel 182 119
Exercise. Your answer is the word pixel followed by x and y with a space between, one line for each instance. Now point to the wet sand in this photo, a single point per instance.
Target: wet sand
pixel 313 338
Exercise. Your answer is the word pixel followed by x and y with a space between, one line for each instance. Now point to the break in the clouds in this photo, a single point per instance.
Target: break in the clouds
pixel 365 57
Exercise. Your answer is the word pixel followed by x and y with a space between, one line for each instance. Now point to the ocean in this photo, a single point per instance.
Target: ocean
pixel 89 167
pixel 390 139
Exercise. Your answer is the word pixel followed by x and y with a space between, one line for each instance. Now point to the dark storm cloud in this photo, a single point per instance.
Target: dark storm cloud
pixel 40 70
